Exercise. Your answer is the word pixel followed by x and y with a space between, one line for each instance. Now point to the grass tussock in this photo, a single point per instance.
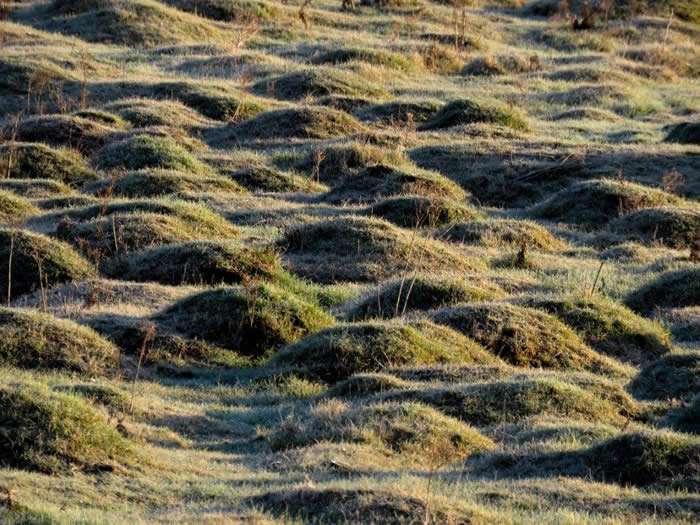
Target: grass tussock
pixel 675 376
pixel 685 133
pixel 318 82
pixel 14 208
pixel 38 161
pixel 413 211
pixel 271 180
pixel 502 233
pixel 674 227
pixel 671 289
pixel 311 122
pixel 467 111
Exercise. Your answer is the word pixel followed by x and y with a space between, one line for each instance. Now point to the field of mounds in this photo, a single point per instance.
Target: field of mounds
pixel 292 261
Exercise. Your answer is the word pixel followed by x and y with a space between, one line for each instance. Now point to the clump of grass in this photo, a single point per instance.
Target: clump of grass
pixel 647 459
pixel 102 117
pixel 159 182
pixel 414 211
pixel 253 320
pixel 674 227
pixel 145 151
pixel 501 65
pixel 421 293
pixel 591 204
pixel 116 401
pixel 318 82
pixel 272 180
pixel 671 289
pixel 510 401
pixel 380 180
pixel 363 385
pixel 565 40
pixel 143 112
pixel 40 341
pixel 66 202
pixel 685 419
pixel 37 262
pixel 401 112
pixel 338 352
pixel 409 429
pixel 501 233
pixel 468 111
pixel 38 161
pixel 203 262
pixel 362 249
pixel 378 57
pixel 685 133
pixel 609 328
pixel 14 208
pixel 675 376
pixel 311 122
pixel 64 130
pixel 527 337
pixel 55 432
pixel 35 188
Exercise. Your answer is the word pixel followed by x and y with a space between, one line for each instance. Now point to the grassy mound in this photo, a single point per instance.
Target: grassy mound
pixel 421 293
pixel 102 117
pixel 498 402
pixel 30 251
pixel 66 202
pixel 672 226
pixel 272 180
pixel 377 57
pixel 380 180
pixel 54 432
pixel 362 385
pixel 136 22
pixel 206 262
pixel 64 130
pixel 406 112
pixel 357 506
pixel 34 340
pixel 253 320
pixel 610 328
pixel 336 162
pixel 670 290
pixel 685 419
pixel 228 11
pixel 37 161
pixel 121 234
pixel 527 337
pixel 312 122
pixel 412 211
pixel 144 151
pixel 143 112
pixel 409 429
pixel 338 352
pixel 14 208
pixel 157 182
pixel 647 459
pixel 360 249
pixel 502 65
pixel 675 376
pixel 502 233
pixel 35 188
pixel 466 111
pixel 685 133
pixel 593 203
pixel 318 82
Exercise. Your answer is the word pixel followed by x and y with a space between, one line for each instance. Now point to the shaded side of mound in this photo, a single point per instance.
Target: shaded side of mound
pixel 55 432
pixel 409 429
pixel 271 180
pixel 318 82
pixel 421 293
pixel 205 262
pixel 675 376
pixel 670 290
pixel 502 232
pixel 509 401
pixel 470 112
pixel 37 261
pixel 157 182
pixel 311 122
pixel 254 320
pixel 685 133
pixel 38 161
pixel 145 151
pixel 338 352
pixel 361 249
pixel 610 328
pixel 410 211
pixel 379 181
pixel 355 506
pixel 674 227
pixel 527 337
pixel 593 203
pixel 33 340
pixel 64 130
